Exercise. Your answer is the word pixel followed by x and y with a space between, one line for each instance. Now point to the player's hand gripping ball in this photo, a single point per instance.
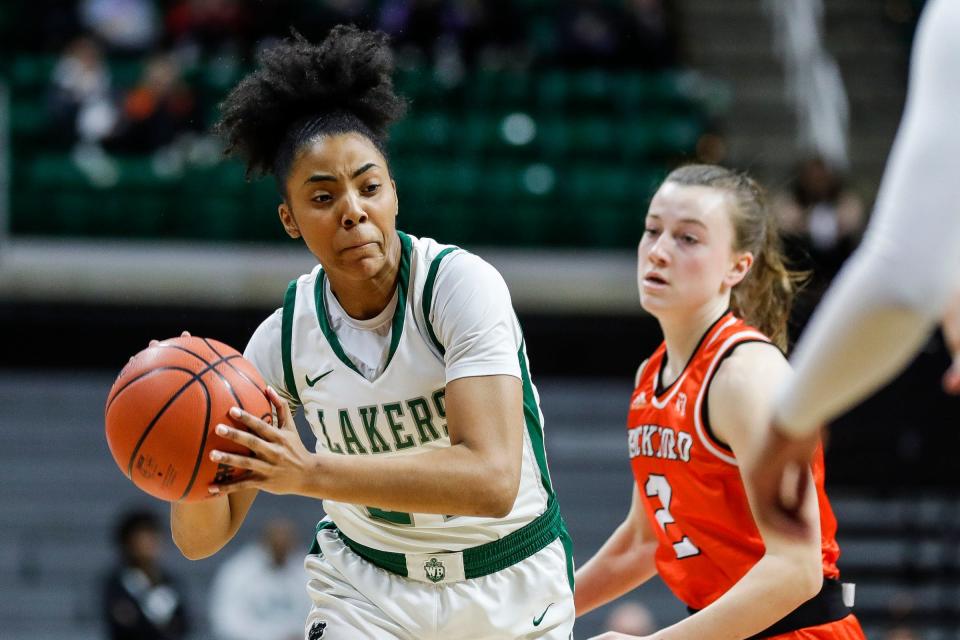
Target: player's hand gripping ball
pixel 164 406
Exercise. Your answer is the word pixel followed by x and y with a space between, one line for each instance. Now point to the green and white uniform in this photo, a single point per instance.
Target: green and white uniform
pixel 376 387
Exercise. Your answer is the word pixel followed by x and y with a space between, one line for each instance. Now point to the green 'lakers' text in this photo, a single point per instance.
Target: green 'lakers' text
pixel 382 428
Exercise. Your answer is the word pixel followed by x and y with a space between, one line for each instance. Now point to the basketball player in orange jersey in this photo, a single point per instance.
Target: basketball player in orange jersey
pixel 710 271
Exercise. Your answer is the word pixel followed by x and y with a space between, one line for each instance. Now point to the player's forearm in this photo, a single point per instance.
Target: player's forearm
pixel 847 353
pixel 455 480
pixel 622 564
pixel 781 584
pixel 200 529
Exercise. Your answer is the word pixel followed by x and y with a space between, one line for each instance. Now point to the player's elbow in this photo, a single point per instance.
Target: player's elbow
pixel 812 582
pixel 501 504
pixel 193 551
pixel 502 488
pixel 193 548
pixel 801 574
pixel 806 578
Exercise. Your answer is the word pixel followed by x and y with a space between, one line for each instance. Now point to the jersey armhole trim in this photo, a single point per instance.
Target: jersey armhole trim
pixel 640 370
pixel 705 409
pixel 286 338
pixel 427 301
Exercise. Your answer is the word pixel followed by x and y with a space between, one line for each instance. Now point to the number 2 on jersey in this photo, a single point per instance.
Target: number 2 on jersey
pixel 657 486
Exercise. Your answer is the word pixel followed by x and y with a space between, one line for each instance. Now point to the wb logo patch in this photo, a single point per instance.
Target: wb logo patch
pixel 435 570
pixel 316 631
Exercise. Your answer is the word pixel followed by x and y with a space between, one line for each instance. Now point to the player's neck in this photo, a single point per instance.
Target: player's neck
pixel 682 333
pixel 366 298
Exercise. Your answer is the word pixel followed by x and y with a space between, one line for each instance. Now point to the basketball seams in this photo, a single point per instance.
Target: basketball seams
pixel 185 350
pixel 173 402
pixel 143 436
pixel 203 439
pixel 176 347
pixel 240 372
pixel 141 377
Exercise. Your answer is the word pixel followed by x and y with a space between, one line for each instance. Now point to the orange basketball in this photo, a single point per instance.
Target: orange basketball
pixel 164 406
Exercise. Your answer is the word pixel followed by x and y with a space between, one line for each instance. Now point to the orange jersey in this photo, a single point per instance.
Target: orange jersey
pixel 689 481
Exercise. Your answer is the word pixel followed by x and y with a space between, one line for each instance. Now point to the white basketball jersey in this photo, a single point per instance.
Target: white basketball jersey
pixel 401 412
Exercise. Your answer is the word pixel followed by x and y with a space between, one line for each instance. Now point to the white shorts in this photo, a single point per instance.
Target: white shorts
pixel 355 599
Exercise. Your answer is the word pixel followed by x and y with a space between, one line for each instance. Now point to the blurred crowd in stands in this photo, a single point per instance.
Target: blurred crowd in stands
pixel 163 111
pixel 258 590
pixel 493 33
pixel 172 37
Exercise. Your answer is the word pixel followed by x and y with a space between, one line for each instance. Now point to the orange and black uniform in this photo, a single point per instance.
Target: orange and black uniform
pixel 695 499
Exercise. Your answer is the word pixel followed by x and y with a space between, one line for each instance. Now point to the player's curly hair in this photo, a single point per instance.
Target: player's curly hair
pixel 301 90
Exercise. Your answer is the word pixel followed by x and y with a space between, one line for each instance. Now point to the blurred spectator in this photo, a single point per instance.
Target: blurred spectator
pixel 81 101
pixel 258 593
pixel 416 27
pixel 158 110
pixel 632 34
pixel 489 33
pixel 141 601
pixel 198 29
pixel 126 26
pixel 632 618
pixel 821 220
pixel 452 35
pixel 589 34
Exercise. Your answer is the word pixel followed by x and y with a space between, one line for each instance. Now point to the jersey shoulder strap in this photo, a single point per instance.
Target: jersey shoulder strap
pixel 286 339
pixel 427 296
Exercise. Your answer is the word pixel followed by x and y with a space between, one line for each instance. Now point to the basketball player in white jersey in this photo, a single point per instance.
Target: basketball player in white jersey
pixel 408 362
pixel 893 291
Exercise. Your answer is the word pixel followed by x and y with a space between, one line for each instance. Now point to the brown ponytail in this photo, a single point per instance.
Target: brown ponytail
pixel 764 297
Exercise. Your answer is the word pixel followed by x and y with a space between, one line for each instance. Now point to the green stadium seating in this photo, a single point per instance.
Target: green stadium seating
pixel 602 141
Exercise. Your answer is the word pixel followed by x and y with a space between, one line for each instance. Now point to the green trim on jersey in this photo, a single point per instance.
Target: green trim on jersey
pixel 325 324
pixel 403 282
pixel 428 296
pixel 315 546
pixel 482 560
pixel 567 543
pixel 531 416
pixel 403 278
pixel 286 337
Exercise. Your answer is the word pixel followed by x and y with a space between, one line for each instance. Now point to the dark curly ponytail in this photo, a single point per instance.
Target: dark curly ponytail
pixel 302 90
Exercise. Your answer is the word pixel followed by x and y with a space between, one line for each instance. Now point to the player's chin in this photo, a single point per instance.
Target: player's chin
pixel 365 263
pixel 652 302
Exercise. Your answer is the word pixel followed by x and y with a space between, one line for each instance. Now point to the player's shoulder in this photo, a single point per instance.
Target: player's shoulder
pixel 429 248
pixel 267 334
pixel 272 322
pixel 309 278
pixel 453 263
pixel 748 371
pixel 640 371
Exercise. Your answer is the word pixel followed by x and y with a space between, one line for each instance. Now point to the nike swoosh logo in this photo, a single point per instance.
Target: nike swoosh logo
pixel 539 619
pixel 310 382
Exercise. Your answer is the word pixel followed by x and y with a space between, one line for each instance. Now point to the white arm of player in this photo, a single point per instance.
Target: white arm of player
pixel 892 292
